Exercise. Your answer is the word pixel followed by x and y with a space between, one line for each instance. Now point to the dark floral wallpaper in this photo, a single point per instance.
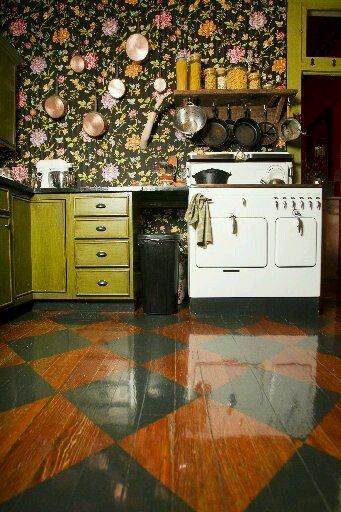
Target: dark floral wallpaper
pixel 47 32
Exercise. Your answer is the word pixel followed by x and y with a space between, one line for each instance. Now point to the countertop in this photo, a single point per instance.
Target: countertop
pixel 148 188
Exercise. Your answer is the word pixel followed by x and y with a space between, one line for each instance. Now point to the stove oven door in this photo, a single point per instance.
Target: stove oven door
pixel 296 242
pixel 237 242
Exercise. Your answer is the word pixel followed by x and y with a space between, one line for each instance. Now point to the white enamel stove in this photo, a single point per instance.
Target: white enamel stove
pixel 266 240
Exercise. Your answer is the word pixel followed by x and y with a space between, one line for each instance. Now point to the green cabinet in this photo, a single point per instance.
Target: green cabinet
pixel 49 244
pixel 9 60
pixel 5 262
pixel 21 255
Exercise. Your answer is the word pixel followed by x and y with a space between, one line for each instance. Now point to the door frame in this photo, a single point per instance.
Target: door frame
pixel 296 64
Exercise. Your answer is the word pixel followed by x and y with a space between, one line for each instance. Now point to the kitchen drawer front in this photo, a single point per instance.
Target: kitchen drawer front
pixel 102 282
pixel 102 254
pixel 4 199
pixel 101 206
pixel 102 228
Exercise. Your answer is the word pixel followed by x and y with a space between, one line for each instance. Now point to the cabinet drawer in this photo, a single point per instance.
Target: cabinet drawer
pixel 87 206
pixel 4 201
pixel 102 282
pixel 102 254
pixel 102 228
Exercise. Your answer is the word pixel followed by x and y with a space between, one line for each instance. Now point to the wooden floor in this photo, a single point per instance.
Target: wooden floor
pixel 127 412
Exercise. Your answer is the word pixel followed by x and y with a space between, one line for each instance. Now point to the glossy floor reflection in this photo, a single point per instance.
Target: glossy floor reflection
pixel 128 412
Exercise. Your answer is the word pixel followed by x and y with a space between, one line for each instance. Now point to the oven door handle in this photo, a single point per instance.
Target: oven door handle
pixel 234 224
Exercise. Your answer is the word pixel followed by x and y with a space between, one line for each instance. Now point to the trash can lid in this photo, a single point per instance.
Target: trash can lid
pixel 172 236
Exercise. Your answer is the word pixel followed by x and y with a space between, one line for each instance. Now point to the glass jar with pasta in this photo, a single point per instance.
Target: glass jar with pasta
pixel 181 71
pixel 195 72
pixel 221 78
pixel 254 79
pixel 236 78
pixel 210 78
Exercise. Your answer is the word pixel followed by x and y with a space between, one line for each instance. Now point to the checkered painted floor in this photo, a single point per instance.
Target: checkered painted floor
pixel 128 412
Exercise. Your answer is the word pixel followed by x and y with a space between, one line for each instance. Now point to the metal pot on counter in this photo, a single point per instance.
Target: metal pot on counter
pixel 212 177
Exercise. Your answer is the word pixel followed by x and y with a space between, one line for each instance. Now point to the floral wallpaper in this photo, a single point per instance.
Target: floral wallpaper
pixel 47 33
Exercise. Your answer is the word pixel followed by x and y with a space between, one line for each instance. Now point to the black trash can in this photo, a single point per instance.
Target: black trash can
pixel 159 258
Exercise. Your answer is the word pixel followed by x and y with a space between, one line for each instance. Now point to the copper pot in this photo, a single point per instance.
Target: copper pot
pixel 77 63
pixel 94 123
pixel 137 47
pixel 55 106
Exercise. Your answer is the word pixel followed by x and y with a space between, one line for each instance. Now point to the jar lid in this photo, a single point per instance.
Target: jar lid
pixel 209 71
pixel 195 56
pixel 221 71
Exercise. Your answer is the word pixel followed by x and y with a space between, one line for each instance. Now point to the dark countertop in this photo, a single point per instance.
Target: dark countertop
pixel 148 188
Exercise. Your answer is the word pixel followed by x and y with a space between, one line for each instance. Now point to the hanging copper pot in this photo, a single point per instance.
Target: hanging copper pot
pixel 137 47
pixel 55 106
pixel 77 63
pixel 116 86
pixel 94 123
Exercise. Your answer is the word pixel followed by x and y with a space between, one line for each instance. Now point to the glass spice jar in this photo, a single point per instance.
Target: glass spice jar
pixel 195 72
pixel 236 78
pixel 181 71
pixel 254 80
pixel 210 78
pixel 221 78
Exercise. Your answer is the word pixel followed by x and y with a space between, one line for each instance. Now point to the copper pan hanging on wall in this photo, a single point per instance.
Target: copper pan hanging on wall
pixel 94 123
pixel 55 106
pixel 77 63
pixel 137 46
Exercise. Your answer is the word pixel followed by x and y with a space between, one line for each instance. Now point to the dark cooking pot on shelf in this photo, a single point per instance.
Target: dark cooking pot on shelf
pixel 212 176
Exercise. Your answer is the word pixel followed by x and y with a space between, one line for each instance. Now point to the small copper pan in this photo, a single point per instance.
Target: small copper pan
pixel 77 63
pixel 94 123
pixel 55 106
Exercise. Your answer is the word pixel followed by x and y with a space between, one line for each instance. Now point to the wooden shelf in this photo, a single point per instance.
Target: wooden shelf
pixel 240 97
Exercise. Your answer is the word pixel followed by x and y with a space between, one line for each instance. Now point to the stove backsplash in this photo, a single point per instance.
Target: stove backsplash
pixel 46 34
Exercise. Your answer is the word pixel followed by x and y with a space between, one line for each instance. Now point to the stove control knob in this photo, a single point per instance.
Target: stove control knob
pixel 310 203
pixel 276 203
pixel 285 202
pixel 319 204
pixel 302 203
pixel 244 201
pixel 293 202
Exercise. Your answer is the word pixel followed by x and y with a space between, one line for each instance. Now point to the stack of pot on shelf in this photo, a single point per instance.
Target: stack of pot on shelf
pixel 191 76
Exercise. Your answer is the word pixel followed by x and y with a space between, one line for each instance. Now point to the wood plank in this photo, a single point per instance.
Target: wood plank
pixel 233 97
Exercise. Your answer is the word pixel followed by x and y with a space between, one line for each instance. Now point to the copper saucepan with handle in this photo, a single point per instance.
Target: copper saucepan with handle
pixel 94 123
pixel 137 46
pixel 55 106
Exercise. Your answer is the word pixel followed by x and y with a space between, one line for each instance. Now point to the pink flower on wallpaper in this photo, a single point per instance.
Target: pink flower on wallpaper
pixel 110 26
pixel 85 136
pixel 18 27
pixel 110 172
pixel 21 99
pixel 280 36
pixel 61 151
pixel 19 173
pixel 91 60
pixel 163 20
pixel 108 101
pixel 236 54
pixel 257 19
pixel 180 136
pixel 132 113
pixel 38 137
pixel 61 79
pixel 38 65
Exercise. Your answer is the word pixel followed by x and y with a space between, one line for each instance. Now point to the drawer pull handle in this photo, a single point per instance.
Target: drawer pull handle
pixel 101 254
pixel 101 205
pixel 101 228
pixel 102 283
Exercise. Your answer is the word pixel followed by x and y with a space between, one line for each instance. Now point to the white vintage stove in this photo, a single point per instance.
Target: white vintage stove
pixel 266 239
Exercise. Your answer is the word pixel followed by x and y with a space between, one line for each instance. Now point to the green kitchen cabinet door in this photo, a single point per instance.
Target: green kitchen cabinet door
pixel 21 258
pixel 5 262
pixel 49 260
pixel 8 62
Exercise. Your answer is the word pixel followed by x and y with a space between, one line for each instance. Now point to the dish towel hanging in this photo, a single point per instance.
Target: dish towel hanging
pixel 198 214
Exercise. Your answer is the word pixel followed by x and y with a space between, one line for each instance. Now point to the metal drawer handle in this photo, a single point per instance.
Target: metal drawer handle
pixel 101 205
pixel 101 254
pixel 7 226
pixel 101 228
pixel 102 283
